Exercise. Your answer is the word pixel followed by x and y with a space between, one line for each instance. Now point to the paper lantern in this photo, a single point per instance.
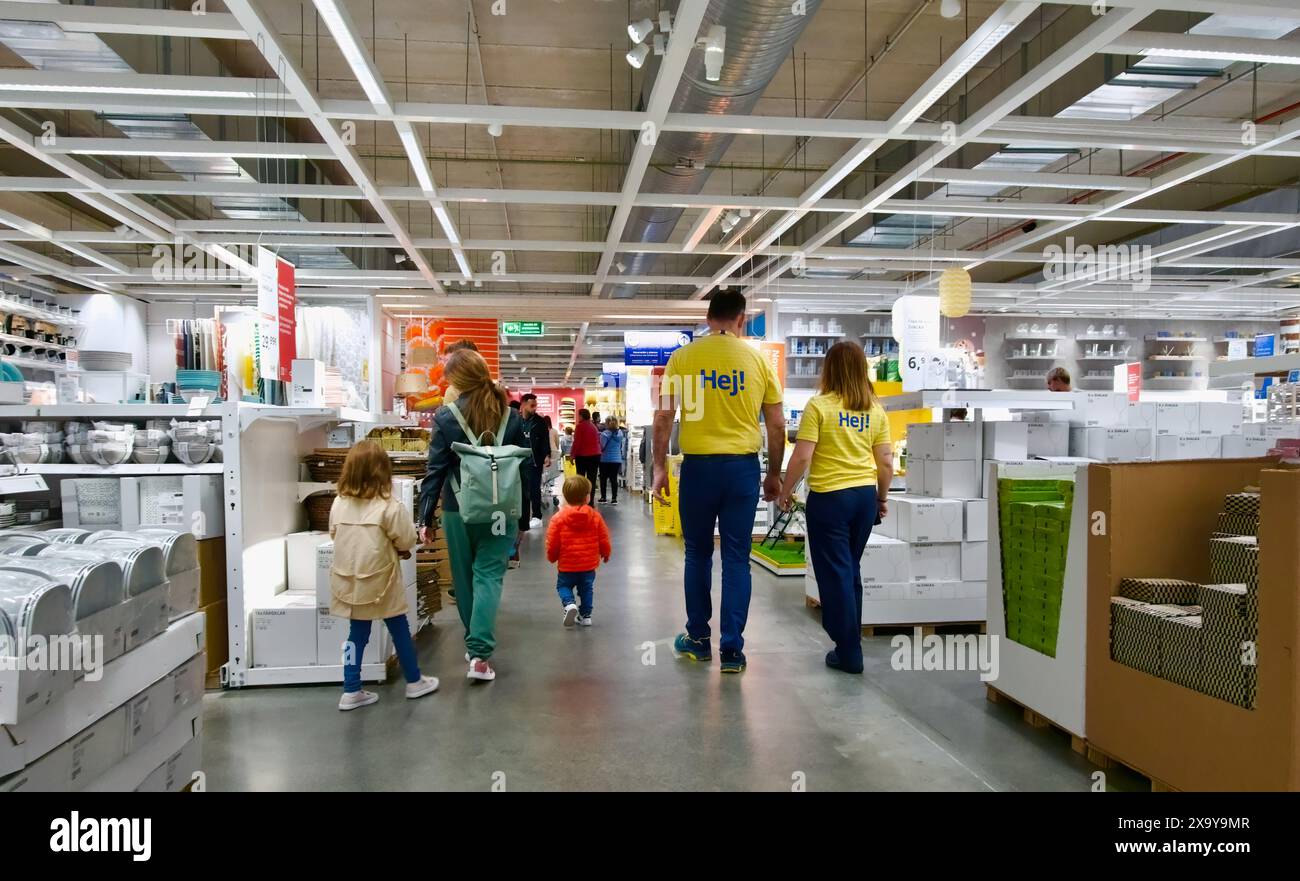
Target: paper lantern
pixel 412 383
pixel 954 292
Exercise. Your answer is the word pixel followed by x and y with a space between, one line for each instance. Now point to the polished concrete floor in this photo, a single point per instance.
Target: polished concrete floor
pixel 610 708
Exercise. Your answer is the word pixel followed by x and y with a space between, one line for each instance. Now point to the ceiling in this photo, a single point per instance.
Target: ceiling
pixel 864 147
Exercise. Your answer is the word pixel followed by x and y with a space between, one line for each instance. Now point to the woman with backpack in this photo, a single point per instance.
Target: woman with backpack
pixel 480 522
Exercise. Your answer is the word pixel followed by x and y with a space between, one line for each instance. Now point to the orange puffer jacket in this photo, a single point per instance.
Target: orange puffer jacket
pixel 577 539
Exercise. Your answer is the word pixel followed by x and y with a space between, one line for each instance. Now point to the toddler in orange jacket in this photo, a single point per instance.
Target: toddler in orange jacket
pixel 577 541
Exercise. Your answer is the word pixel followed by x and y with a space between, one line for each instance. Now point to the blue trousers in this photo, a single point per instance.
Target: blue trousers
pixel 839 524
pixel 721 490
pixel 583 582
pixel 359 637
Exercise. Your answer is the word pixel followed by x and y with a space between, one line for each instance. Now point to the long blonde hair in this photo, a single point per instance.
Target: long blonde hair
pixel 845 374
pixel 367 472
pixel 481 400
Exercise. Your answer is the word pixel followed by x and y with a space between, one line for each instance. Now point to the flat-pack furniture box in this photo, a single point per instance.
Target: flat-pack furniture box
pixel 974 561
pixel 307 386
pixel 1177 418
pixel 941 440
pixel 284 631
pixel 1111 444
pixel 1047 439
pixel 935 561
pixel 952 479
pixel 1159 519
pixel 1181 447
pixel 977 520
pixel 1219 418
pixel 1242 447
pixel 884 561
pixel 1006 440
pixel 915 477
pixel 300 555
pixel 927 520
pixel 332 635
pixel 188 502
pixel 91 502
pixel 1094 409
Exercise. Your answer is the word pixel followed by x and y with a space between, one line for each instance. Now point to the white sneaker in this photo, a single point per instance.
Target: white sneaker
pixel 480 669
pixel 585 622
pixel 570 614
pixel 467 657
pixel 535 522
pixel 354 699
pixel 426 685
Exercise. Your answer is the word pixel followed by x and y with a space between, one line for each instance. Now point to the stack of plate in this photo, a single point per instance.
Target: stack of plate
pixel 39 443
pixel 152 447
pixel 193 383
pixel 8 514
pixel 196 442
pixel 101 361
pixel 34 606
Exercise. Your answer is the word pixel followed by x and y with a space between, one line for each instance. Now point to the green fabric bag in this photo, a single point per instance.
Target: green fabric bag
pixel 488 489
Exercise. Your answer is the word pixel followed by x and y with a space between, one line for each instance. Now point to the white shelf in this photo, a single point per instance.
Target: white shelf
pixel 819 336
pixel 1161 380
pixel 1033 336
pixel 1176 358
pixel 13 307
pixel 1001 399
pixel 123 470
pixel 1104 357
pixel 35 344
pixel 311 487
pixel 1051 357
pixel 1175 339
pixel 111 411
pixel 37 363
pixel 310 675
pixel 1250 340
pixel 795 355
pixel 1037 377
pixel 1095 378
pixel 1102 338
pixel 1256 366
pixel 875 336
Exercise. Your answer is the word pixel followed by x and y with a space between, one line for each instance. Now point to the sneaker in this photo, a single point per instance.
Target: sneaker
pixel 733 661
pixel 514 560
pixel 570 614
pixel 426 685
pixel 833 661
pixel 602 500
pixel 584 620
pixel 695 649
pixel 480 669
pixel 535 523
pixel 467 657
pixel 353 699
pixel 614 502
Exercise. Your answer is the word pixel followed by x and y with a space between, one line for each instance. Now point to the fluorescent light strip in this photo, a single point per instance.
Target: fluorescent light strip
pixel 340 25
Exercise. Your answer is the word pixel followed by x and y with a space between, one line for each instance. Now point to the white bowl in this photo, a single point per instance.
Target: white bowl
pixel 150 455
pixel 192 453
pixel 36 454
pixel 110 454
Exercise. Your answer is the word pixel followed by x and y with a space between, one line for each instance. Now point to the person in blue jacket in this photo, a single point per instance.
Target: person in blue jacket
pixel 613 450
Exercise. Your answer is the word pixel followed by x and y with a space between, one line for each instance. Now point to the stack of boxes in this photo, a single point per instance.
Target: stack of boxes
pixel 1034 526
pixel 433 569
pixel 1199 636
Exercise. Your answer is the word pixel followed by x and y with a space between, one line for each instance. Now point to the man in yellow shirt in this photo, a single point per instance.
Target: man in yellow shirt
pixel 720 383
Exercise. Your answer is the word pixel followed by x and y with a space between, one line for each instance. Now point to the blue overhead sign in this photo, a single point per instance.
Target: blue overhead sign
pixel 1264 345
pixel 652 348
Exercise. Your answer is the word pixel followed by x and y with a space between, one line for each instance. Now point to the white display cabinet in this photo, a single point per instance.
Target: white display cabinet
pixel 1052 687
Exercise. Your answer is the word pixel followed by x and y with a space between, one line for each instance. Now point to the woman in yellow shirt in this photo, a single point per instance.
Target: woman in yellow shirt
pixel 843 445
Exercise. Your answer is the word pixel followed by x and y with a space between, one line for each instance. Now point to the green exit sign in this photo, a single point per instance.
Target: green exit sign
pixel 523 328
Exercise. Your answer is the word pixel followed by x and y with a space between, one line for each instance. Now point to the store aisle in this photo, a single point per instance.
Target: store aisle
pixel 578 708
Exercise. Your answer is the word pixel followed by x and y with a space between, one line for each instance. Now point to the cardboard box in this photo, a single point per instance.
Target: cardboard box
pixel 1047 439
pixel 91 502
pixel 973 589
pixel 183 590
pixel 146 616
pixel 977 520
pixel 1094 410
pixel 1242 503
pixel 1240 447
pixel 98 748
pixel 1141 414
pixel 216 635
pixel 52 772
pixel 952 479
pixel 882 591
pixel 915 477
pixel 1226 610
pixel 283 632
pixel 1234 560
pixel 1111 444
pixel 927 520
pixel 885 561
pixel 212 571
pixel 1008 441
pixel 1181 447
pixel 1219 418
pixel 1160 591
pixel 1181 650
pixel 188 682
pixel 300 553
pixel 189 502
pixel 935 561
pixel 307 385
pixel 941 440
pixel 324 560
pixel 1177 418
pixel 1236 524
pixel 974 561
pixel 331 635
pixel 111 624
pixel 25 693
pixel 1159 516
pixel 932 590
pixel 148 713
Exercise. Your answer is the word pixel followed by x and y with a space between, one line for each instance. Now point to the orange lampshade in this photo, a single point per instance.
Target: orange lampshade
pixel 411 384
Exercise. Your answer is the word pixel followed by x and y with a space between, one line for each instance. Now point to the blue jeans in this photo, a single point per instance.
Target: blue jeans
pixel 721 490
pixel 839 524
pixel 355 650
pixel 583 582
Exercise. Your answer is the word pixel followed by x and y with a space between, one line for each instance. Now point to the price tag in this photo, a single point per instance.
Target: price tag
pixel 197 405
pixel 912 370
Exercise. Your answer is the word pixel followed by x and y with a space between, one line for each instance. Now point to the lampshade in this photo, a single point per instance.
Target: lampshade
pixel 954 292
pixel 411 384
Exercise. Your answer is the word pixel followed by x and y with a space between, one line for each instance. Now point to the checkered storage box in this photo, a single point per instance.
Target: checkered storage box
pixel 1181 650
pixel 1135 633
pixel 1227 610
pixel 1242 503
pixel 1225 673
pixel 1235 560
pixel 1237 524
pixel 1159 590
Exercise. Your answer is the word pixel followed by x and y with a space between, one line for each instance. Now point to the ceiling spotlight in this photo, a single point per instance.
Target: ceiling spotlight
pixel 660 44
pixel 950 8
pixel 666 21
pixel 514 357
pixel 622 267
pixel 495 129
pixel 399 259
pixel 744 212
pixel 636 57
pixel 639 30
pixel 478 282
pixel 715 46
pixel 124 231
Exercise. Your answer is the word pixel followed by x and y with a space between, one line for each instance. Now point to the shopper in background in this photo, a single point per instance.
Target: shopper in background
pixel 371 531
pixel 1058 380
pixel 538 435
pixel 452 393
pixel 577 541
pixel 843 444
pixel 613 449
pixel 721 384
pixel 957 414
pixel 566 442
pixel 478 552
pixel 586 449
pixel 557 456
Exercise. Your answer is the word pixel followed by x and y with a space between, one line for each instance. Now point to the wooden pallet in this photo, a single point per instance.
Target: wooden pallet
pixel 926 629
pixel 1106 761
pixel 1034 719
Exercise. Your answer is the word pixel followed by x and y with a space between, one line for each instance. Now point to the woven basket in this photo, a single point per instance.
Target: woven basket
pixel 318 510
pixel 326 465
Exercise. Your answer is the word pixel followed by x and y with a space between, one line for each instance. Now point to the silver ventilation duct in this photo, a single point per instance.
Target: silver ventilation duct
pixel 760 34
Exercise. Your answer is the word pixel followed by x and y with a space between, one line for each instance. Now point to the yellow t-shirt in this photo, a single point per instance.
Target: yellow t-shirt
pixel 843 457
pixel 720 383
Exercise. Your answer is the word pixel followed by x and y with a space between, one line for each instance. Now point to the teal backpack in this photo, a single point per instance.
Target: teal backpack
pixel 488 489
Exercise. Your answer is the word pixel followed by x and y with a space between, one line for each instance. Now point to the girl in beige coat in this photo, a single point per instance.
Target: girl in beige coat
pixel 371 532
